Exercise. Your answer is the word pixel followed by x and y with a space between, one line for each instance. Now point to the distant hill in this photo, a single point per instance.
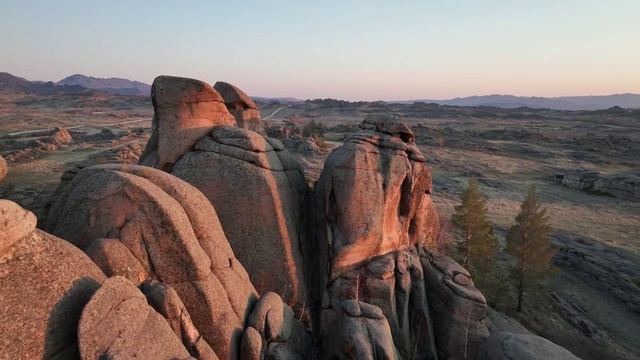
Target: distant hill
pixel 631 101
pixel 11 83
pixel 112 85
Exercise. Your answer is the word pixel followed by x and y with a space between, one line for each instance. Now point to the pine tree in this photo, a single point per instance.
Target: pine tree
pixel 479 242
pixel 529 243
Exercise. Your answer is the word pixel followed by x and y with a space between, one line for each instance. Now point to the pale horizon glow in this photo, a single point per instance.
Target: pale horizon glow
pixel 355 50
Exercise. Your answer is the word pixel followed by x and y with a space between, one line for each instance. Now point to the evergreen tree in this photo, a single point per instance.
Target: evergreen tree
pixel 479 242
pixel 529 243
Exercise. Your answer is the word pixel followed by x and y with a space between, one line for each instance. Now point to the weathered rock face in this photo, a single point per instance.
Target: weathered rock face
pixel 170 232
pixel 369 194
pixel 508 346
pixel 117 323
pixel 394 283
pixel 241 107
pixel 45 283
pixel 3 169
pixel 185 110
pixel 361 331
pixel 257 189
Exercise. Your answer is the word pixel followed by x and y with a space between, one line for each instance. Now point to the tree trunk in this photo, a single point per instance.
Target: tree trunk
pixel 520 291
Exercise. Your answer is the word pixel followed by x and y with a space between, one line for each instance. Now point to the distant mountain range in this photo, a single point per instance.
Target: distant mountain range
pixel 80 83
pixel 596 102
pixel 112 85
pixel 74 84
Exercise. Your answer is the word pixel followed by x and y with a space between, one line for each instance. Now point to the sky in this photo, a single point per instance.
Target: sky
pixel 355 50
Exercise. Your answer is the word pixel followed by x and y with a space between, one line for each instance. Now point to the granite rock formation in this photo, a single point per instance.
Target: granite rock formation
pixel 185 110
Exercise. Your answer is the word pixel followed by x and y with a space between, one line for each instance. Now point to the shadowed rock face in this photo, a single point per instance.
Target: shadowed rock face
pixel 171 232
pixel 118 323
pixel 44 284
pixel 257 189
pixel 185 110
pixel 241 107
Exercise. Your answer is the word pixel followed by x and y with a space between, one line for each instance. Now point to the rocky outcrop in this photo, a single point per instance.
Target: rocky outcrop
pixel 241 107
pixel 3 169
pixel 257 189
pixel 510 346
pixel 118 323
pixel 622 186
pixel 45 283
pixel 59 137
pixel 170 232
pixel 184 111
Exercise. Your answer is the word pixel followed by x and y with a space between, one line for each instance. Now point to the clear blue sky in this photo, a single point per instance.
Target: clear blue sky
pixel 343 49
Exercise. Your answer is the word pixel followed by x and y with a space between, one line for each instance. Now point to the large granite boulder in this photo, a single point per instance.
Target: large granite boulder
pixel 241 106
pixel 257 189
pixel 170 232
pixel 118 323
pixel 184 111
pixel 3 169
pixel 511 346
pixel 44 284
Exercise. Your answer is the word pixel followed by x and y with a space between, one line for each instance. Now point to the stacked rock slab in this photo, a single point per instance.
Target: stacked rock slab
pixel 241 107
pixel 257 188
pixel 170 231
pixel 184 111
pixel 44 284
